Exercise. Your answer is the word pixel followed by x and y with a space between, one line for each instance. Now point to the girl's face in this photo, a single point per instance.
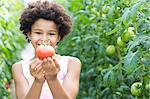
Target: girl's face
pixel 43 30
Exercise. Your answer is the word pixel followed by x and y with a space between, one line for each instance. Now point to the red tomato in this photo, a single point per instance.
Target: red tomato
pixel 7 85
pixel 44 51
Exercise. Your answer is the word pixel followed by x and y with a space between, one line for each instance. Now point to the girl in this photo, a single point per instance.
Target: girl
pixel 51 78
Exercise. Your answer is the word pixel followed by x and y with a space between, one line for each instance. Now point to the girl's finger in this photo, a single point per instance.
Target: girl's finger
pixel 56 63
pixel 51 63
pixel 39 70
pixel 39 64
pixel 45 60
pixel 33 61
pixel 33 66
pixel 49 60
pixel 39 67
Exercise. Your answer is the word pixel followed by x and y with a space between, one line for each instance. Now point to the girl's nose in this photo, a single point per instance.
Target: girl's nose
pixel 45 37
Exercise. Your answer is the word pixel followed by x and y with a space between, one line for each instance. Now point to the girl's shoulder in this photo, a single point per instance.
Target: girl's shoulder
pixel 17 65
pixel 71 59
pixel 73 62
pixel 17 69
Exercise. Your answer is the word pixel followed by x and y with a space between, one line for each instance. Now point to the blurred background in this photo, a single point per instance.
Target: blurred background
pixel 110 37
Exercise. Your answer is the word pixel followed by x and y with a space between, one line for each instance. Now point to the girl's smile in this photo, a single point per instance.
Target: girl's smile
pixel 44 30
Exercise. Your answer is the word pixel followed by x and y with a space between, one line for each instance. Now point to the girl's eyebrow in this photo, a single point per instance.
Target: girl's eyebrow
pixel 37 30
pixel 48 30
pixel 52 31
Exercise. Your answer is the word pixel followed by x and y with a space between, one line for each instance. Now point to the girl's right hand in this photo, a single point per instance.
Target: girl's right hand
pixel 36 70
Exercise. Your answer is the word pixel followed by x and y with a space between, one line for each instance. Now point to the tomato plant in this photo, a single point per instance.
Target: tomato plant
pixel 44 51
pixel 98 24
pixel 11 43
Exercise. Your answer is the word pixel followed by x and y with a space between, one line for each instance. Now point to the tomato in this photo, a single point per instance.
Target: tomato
pixel 136 88
pixel 105 9
pixel 111 50
pixel 147 87
pixel 44 51
pixel 5 80
pixel 126 2
pixel 120 42
pixel 9 90
pixel 131 28
pixel 128 35
pixel 8 85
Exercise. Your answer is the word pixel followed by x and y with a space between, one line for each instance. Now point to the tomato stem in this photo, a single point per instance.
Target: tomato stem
pixel 46 42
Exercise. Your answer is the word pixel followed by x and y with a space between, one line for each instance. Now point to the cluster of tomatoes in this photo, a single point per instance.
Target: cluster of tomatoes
pixel 121 41
pixel 137 87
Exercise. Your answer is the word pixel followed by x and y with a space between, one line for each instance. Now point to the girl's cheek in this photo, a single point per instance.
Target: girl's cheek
pixel 36 38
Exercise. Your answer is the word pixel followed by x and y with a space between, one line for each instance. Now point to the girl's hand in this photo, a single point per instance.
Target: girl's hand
pixel 37 71
pixel 51 68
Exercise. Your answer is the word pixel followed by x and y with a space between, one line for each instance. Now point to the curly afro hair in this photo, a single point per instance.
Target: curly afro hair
pixel 46 10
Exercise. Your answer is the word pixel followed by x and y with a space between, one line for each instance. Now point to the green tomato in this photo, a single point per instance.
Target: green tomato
pixel 5 81
pixel 9 90
pixel 120 42
pixel 147 86
pixel 111 50
pixel 131 28
pixel 126 2
pixel 105 9
pixel 128 35
pixel 136 89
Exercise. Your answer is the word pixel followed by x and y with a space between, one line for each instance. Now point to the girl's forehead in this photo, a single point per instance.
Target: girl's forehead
pixel 41 24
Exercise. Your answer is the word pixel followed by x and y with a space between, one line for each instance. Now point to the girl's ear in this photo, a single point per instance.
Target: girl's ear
pixel 58 38
pixel 29 35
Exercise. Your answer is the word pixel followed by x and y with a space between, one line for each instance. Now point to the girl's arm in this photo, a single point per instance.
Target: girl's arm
pixel 21 85
pixel 23 91
pixel 69 89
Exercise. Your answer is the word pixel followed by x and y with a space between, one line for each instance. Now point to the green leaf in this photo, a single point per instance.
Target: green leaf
pixel 134 10
pixel 140 39
pixel 125 16
pixel 131 61
pixel 113 31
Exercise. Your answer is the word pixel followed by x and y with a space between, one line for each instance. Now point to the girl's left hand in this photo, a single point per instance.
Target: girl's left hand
pixel 51 68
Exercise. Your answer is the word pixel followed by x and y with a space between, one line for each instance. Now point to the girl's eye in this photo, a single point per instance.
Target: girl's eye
pixel 37 32
pixel 51 33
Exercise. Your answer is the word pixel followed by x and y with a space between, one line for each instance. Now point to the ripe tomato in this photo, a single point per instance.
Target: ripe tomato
pixel 111 50
pixel 44 51
pixel 8 85
pixel 136 88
